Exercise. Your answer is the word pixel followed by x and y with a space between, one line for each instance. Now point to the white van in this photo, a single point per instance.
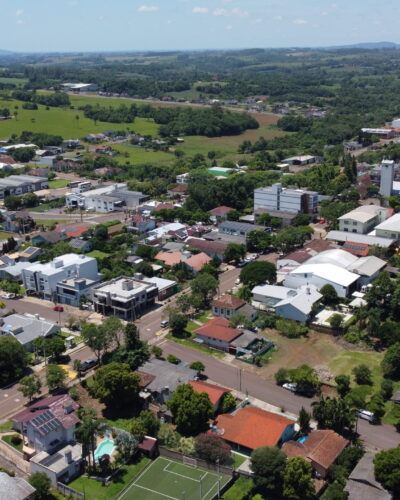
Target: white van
pixel 366 415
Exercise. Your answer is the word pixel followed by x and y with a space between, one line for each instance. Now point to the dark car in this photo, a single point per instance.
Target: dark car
pixel 87 364
pixel 64 359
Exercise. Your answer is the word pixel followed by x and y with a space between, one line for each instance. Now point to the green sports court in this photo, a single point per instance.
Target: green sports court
pixel 168 479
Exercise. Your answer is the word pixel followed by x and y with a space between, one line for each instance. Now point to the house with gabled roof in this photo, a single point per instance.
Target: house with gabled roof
pixel 229 305
pixel 216 393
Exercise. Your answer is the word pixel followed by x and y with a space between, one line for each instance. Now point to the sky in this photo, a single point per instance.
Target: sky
pixel 142 25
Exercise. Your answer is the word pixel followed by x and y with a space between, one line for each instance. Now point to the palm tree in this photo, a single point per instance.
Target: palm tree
pixel 86 433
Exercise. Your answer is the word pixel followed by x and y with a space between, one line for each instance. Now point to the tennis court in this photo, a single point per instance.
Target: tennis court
pixel 167 479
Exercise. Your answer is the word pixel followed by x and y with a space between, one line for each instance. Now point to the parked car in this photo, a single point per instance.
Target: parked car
pixel 87 364
pixel 290 386
pixel 237 281
pixel 367 415
pixel 63 359
pixel 242 263
pixel 9 296
pixel 164 323
pixel 76 328
pixel 58 309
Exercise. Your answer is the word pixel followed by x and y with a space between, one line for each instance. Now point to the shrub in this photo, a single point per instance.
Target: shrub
pixel 228 403
pixel 291 329
pixel 211 447
pixel 173 359
pixel 282 376
pixel 16 440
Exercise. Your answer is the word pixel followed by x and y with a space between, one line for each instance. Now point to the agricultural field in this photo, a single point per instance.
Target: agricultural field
pixel 14 81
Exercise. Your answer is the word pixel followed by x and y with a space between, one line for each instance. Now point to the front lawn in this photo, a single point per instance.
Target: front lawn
pixel 8 438
pixel 240 490
pixel 237 460
pixel 98 254
pixel 194 345
pixel 94 489
pixel 58 183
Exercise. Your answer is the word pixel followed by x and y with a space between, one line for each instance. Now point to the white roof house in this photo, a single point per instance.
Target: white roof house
pixel 368 266
pixel 363 219
pixel 295 304
pixel 368 239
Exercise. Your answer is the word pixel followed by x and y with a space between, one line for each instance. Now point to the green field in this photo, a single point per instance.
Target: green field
pixel 58 183
pixel 165 478
pixel 14 81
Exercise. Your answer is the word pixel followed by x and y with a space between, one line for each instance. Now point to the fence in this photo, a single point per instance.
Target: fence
pixel 67 491
pixel 14 456
pixel 176 455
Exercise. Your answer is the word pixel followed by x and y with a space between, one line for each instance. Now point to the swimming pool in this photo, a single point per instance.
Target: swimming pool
pixel 106 447
pixel 302 439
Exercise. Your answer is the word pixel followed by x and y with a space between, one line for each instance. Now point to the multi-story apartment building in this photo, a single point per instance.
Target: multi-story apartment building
pixel 127 298
pixel 43 279
pixel 362 220
pixel 276 198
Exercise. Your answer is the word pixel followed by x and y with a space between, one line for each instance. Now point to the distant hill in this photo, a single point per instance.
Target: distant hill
pixel 6 52
pixel 368 46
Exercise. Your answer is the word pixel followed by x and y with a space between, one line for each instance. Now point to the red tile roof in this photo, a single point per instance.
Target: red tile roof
pixel 166 206
pixel 72 230
pixel 359 249
pixel 169 258
pixel 214 392
pixel 197 262
pixel 7 159
pixel 207 246
pixel 253 427
pixel 218 328
pixel 221 210
pixel 229 302
pixel 322 447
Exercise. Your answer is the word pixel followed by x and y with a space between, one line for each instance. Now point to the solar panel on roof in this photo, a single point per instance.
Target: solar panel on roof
pixel 30 250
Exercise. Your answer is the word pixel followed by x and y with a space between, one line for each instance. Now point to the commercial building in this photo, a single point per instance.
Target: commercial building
pixel 363 219
pixel 300 160
pixel 79 87
pixel 127 298
pixel 43 279
pixel 26 328
pixel 382 133
pixel 166 288
pixel 14 185
pixel 364 239
pixel 71 291
pixel 280 199
pixel 390 228
pixel 105 199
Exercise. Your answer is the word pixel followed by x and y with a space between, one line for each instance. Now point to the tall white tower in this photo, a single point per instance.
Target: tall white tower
pixel 387 176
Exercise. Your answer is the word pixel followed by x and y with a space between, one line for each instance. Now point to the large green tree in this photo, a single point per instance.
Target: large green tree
pixel 334 413
pixel 87 431
pixel 191 410
pixel 234 253
pixel 13 359
pixel 387 470
pixel 204 286
pixel 98 339
pixel 268 465
pixel 297 480
pixel 116 385
pixel 55 376
pixel 258 272
pixel 30 386
pixel 42 483
pixel 391 362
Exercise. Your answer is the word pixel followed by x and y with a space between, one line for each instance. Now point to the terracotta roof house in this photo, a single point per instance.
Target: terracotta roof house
pixel 321 448
pixel 7 159
pixel 72 230
pixel 197 262
pixel 214 392
pixel 169 258
pixel 164 206
pixel 49 423
pixel 211 248
pixel 229 305
pixel 219 214
pixel 180 189
pixel 250 428
pixel 217 333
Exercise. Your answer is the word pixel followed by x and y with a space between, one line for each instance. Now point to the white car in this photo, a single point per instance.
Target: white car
pixel 366 415
pixel 290 386
pixel 237 281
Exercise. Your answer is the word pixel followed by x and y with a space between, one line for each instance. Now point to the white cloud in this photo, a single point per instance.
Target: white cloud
pixel 236 12
pixel 324 13
pixel 277 18
pixel 148 8
pixel 258 20
pixel 19 12
pixel 200 10
pixel 299 21
pixel 229 27
pixel 20 21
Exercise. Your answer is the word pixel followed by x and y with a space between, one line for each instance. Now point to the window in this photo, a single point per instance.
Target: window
pixel 347 222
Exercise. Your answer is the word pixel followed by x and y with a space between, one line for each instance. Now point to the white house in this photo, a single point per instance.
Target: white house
pixel 42 279
pixel 26 328
pixel 286 302
pixel 390 228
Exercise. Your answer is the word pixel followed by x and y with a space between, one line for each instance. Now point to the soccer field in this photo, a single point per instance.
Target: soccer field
pixel 165 478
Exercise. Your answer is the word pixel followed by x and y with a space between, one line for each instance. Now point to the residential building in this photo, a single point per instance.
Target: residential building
pixel 211 248
pixel 294 304
pixel 179 190
pixel 42 279
pixel 285 217
pixel 62 466
pixel 73 230
pixel 194 262
pixel 217 333
pixel 105 199
pixel 162 378
pixel 127 298
pixel 280 199
pixel 15 488
pixel 165 287
pixel 13 270
pixel 21 184
pixel 216 393
pixel 43 237
pixel 29 254
pixel 26 328
pixel 390 228
pixel 362 484
pixel 17 222
pixel 48 424
pixel 182 178
pixel 83 245
pixel 363 219
pixel 71 291
pixel 229 305
pixel 141 224
pixel 250 428
pixel 220 214
pixel 320 448
pixel 382 133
